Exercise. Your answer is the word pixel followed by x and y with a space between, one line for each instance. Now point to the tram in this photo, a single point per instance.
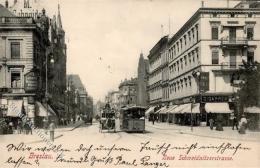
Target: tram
pixel 107 120
pixel 132 119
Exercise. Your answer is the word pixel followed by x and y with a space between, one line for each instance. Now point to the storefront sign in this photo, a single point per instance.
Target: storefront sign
pixel 30 81
pixel 212 99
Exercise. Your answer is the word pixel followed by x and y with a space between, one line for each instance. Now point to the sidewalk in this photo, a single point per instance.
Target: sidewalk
pixel 228 133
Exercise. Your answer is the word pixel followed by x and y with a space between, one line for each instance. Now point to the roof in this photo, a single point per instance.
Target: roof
pixel 5 12
pixel 76 82
pixel 196 15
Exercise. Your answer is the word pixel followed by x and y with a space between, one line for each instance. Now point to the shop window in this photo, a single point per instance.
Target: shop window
pixel 16 80
pixel 15 50
pixel 215 57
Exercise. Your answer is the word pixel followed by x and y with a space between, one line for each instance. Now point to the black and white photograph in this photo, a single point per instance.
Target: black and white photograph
pixel 129 83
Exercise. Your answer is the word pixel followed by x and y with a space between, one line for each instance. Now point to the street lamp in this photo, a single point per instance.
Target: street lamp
pixel 46 80
pixel 196 75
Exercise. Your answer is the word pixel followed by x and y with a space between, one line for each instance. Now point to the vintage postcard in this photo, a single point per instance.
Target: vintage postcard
pixel 129 83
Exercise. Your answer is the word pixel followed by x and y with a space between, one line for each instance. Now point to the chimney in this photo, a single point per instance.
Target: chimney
pixel 6 4
pixel 202 4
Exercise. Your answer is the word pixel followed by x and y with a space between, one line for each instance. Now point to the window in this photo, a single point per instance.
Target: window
pixel 15 50
pixel 250 15
pixel 250 33
pixel 250 56
pixel 215 58
pixel 185 60
pixel 181 44
pixel 15 80
pixel 214 33
pixel 232 15
pixel 214 15
pixel 189 36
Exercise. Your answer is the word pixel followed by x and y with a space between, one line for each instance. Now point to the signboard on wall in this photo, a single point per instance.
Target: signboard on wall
pixel 204 81
pixel 31 82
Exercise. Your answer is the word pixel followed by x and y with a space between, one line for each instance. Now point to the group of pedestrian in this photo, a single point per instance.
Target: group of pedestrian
pixel 18 126
pixel 240 126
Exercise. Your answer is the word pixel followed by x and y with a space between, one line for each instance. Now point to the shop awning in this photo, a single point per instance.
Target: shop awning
pixel 179 108
pixel 253 109
pixel 149 110
pixel 163 110
pixel 171 109
pixel 196 108
pixel 41 111
pixel 217 108
pixel 14 108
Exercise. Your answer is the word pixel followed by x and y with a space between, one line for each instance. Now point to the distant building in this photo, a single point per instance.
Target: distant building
pixel 78 100
pixel 113 99
pixel 127 90
pixel 142 81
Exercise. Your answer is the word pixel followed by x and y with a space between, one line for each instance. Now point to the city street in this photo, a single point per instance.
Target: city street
pixel 179 141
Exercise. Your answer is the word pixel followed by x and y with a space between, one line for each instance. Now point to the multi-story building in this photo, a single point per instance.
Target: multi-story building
pixel 127 90
pixel 204 54
pixel 23 52
pixel 142 81
pixel 56 48
pixel 157 72
pixel 77 98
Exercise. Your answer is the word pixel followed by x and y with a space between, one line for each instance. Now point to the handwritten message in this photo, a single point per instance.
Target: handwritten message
pixel 144 154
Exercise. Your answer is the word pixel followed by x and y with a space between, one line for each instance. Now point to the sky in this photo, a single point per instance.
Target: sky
pixel 105 37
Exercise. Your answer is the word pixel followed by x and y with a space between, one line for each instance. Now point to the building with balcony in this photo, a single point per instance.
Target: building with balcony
pixel 127 92
pixel 23 52
pixel 203 55
pixel 57 47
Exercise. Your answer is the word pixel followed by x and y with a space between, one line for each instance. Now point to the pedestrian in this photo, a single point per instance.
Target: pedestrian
pixel 19 126
pixel 242 125
pixel 29 126
pixel 153 118
pixel 235 123
pixel 26 127
pixel 11 127
pixel 52 128
pixel 211 122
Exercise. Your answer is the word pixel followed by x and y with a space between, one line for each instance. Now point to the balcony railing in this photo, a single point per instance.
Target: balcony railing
pixel 235 41
pixel 16 20
pixel 231 65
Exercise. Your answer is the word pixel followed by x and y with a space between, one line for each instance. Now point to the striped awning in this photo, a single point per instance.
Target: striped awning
pixel 41 111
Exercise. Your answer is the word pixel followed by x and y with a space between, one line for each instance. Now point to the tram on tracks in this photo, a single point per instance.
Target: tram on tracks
pixel 107 120
pixel 132 119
